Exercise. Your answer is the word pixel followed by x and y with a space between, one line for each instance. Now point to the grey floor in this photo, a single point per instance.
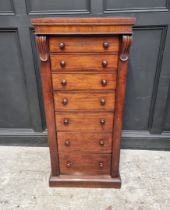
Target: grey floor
pixel 24 173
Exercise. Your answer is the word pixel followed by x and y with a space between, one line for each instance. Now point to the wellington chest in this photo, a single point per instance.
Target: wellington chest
pixel 83 68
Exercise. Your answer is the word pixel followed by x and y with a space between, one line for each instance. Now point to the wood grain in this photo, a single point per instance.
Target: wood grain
pixel 84 164
pixel 83 62
pixel 120 99
pixel 93 25
pixel 84 21
pixel 73 100
pixel 82 44
pixel 98 181
pixel 84 81
pixel 72 142
pixel 48 103
pixel 83 29
pixel 82 121
pixel 81 71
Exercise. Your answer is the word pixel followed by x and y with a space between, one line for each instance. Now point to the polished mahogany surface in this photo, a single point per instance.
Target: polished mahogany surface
pixel 83 73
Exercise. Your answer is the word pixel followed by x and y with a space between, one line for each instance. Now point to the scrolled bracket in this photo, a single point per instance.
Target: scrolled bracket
pixel 42 48
pixel 126 43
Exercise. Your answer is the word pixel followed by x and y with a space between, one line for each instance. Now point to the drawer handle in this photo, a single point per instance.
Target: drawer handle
pixel 66 122
pixel 101 164
pixel 102 101
pixel 61 45
pixel 105 45
pixel 101 142
pixel 104 82
pixel 102 122
pixel 64 82
pixel 104 63
pixel 68 164
pixel 62 64
pixel 65 101
pixel 67 143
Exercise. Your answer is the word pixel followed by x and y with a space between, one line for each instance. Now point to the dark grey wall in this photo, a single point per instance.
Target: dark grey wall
pixel 147 112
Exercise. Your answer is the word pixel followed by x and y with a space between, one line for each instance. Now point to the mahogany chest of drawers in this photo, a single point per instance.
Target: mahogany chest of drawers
pixel 83 73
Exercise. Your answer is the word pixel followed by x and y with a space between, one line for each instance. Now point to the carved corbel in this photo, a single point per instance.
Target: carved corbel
pixel 126 43
pixel 42 48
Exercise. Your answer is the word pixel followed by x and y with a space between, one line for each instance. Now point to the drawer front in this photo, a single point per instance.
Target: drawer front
pixel 84 44
pixel 84 101
pixel 84 121
pixel 84 142
pixel 84 81
pixel 85 164
pixel 77 62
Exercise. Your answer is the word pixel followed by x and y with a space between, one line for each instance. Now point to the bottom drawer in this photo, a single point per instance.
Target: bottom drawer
pixel 85 164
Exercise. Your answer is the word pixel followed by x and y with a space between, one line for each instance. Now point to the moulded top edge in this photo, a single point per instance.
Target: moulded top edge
pixel 84 21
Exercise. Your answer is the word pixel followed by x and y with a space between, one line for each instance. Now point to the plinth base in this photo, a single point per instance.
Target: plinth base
pixel 85 181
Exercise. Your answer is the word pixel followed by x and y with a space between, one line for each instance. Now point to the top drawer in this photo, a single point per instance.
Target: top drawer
pixel 84 44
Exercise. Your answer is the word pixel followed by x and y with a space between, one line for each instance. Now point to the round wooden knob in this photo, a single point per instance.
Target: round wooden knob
pixel 102 101
pixel 104 82
pixel 102 122
pixel 101 164
pixel 104 63
pixel 67 143
pixel 61 45
pixel 62 63
pixel 64 82
pixel 68 164
pixel 105 45
pixel 65 101
pixel 66 121
pixel 101 142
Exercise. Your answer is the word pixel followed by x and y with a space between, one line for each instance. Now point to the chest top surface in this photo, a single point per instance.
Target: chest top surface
pixel 116 25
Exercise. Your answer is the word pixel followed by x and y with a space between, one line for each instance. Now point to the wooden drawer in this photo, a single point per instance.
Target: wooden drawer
pixel 84 164
pixel 83 62
pixel 84 44
pixel 84 81
pixel 84 101
pixel 82 121
pixel 84 142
